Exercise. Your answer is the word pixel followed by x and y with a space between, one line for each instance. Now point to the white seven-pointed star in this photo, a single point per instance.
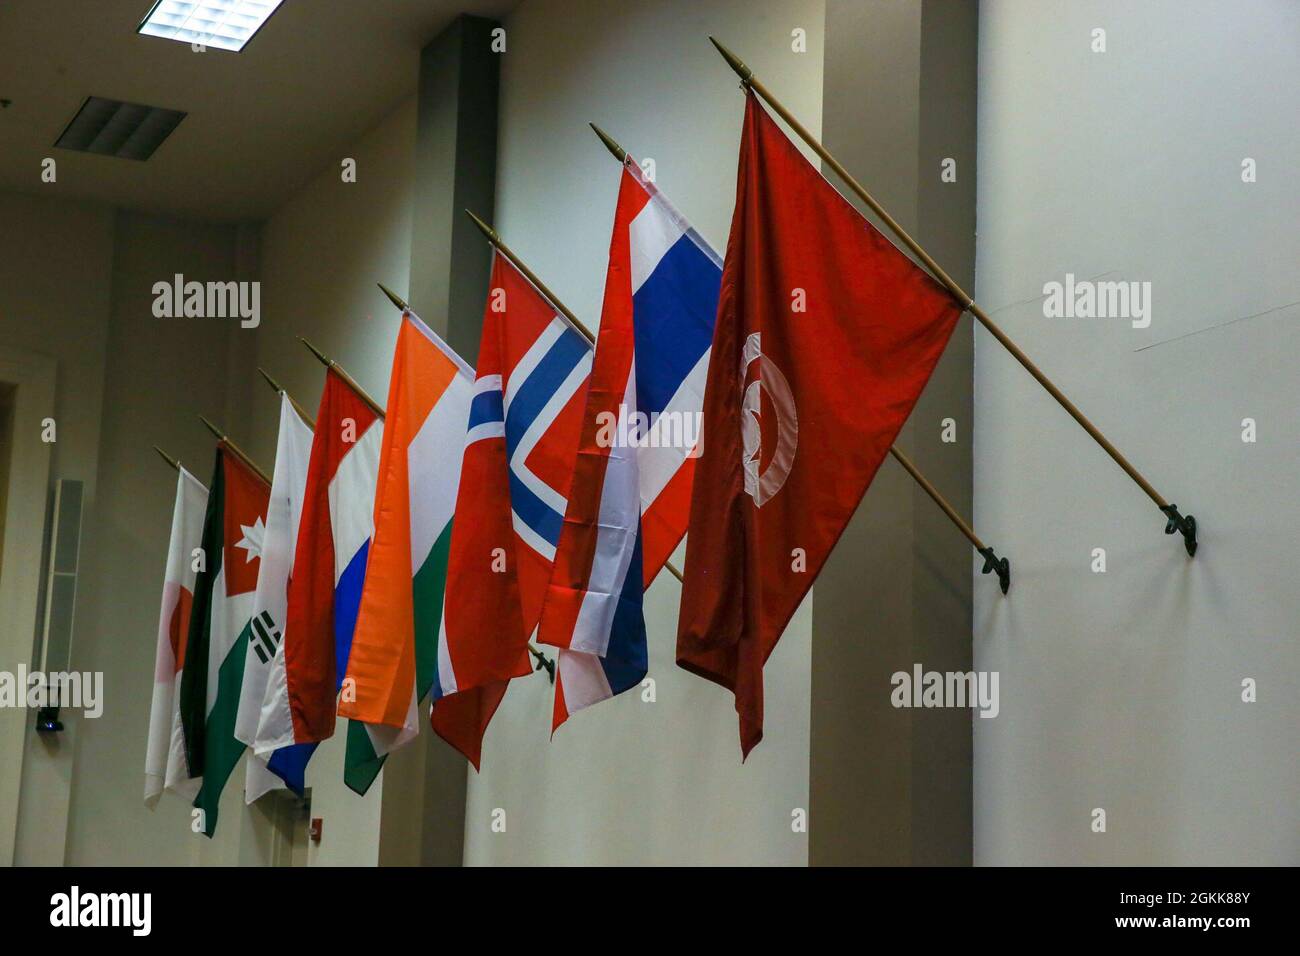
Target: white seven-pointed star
pixel 252 540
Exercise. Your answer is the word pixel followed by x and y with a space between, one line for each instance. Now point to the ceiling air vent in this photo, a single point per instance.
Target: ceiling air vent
pixel 113 128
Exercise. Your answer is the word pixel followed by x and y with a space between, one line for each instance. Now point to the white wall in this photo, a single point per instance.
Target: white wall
pixel 321 255
pixel 627 781
pixel 1123 690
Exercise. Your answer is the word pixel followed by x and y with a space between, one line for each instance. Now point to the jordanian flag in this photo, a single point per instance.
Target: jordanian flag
pixel 220 625
pixel 394 654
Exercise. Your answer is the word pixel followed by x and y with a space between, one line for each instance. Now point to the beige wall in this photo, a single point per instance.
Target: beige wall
pixel 55 279
pixel 1122 690
pixel 160 374
pixel 75 284
pixel 1118 690
pixel 627 781
pixel 79 286
pixel 318 258
pixel 321 255
pixel 893 785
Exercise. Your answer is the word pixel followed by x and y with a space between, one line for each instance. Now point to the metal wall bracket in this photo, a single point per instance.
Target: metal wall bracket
pixel 1185 524
pixel 1001 565
pixel 544 661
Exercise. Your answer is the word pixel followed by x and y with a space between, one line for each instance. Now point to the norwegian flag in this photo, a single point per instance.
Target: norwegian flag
pixel 524 418
pixel 629 501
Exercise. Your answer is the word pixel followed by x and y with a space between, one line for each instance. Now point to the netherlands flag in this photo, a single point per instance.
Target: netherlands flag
pixel 329 568
pixel 629 501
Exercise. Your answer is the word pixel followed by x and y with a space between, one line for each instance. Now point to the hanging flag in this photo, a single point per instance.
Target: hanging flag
pixel 164 764
pixel 630 497
pixel 270 606
pixel 395 642
pixel 234 529
pixel 825 336
pixel 325 592
pixel 519 450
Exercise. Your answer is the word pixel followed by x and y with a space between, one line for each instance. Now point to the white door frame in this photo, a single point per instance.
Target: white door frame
pixel 33 377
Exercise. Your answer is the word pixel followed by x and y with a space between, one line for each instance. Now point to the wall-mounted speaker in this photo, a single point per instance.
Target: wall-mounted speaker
pixel 63 551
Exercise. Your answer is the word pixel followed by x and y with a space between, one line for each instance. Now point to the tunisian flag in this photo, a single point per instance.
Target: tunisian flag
pixel 825 336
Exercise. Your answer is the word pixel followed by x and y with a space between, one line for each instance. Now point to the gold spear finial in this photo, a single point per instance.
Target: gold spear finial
pixel 394 298
pixel 485 229
pixel 531 276
pixel 733 61
pixel 324 359
pixel 610 143
pixel 220 435
pixel 235 450
pixel 343 374
pixel 275 387
pixel 168 458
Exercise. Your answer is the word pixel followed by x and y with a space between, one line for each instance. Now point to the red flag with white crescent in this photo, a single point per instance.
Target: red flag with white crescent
pixel 826 335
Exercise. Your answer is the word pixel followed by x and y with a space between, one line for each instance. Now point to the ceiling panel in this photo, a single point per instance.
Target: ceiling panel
pixel 260 123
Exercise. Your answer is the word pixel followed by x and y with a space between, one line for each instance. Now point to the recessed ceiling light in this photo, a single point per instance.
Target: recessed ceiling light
pixel 223 24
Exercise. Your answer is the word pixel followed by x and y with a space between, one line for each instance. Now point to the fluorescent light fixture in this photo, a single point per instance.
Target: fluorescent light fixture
pixel 223 24
pixel 113 128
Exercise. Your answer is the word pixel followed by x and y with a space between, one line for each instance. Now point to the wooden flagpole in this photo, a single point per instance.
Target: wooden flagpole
pixel 542 659
pixel 235 450
pixel 275 387
pixel 1185 524
pixel 560 307
pixel 991 561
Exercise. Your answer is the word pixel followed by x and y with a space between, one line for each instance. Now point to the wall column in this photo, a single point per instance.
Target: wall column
pixel 893 786
pixel 423 815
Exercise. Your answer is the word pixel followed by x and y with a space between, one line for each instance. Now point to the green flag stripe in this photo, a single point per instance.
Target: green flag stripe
pixel 223 750
pixel 194 675
pixel 361 764
pixel 429 588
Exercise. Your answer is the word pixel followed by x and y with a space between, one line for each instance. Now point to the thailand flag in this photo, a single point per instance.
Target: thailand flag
pixel 329 568
pixel 629 501
pixel 524 419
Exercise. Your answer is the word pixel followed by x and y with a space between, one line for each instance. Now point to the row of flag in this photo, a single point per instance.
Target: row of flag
pixel 409 557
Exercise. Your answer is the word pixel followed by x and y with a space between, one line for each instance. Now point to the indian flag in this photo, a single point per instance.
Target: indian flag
pixel 164 762
pixel 225 587
pixel 394 654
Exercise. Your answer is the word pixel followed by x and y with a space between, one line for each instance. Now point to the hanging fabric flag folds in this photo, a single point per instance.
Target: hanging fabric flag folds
pixel 519 450
pixel 629 500
pixel 799 409
pixel 234 531
pixel 270 607
pixel 164 764
pixel 325 592
pixel 395 644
